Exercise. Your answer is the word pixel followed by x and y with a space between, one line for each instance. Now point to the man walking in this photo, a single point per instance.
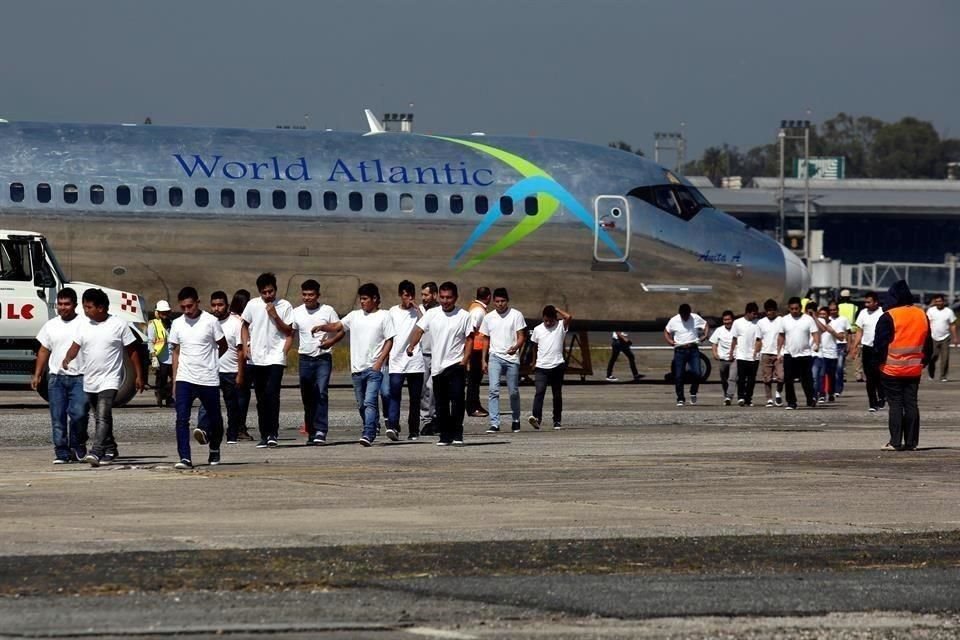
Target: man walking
pixel 866 326
pixel 942 327
pixel 315 352
pixel 68 402
pixel 477 310
pixel 771 352
pixel 503 331
pixel 428 410
pixel 100 341
pixel 371 338
pixel 548 363
pixel 799 339
pixel 744 347
pixel 267 330
pixel 903 344
pixel 721 340
pixel 684 332
pixel 450 328
pixel 620 343
pixel 404 368
pixel 157 330
pixel 841 327
pixel 230 369
pixel 198 343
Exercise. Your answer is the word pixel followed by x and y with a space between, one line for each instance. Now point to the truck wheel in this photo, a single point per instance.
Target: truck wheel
pixel 705 367
pixel 128 388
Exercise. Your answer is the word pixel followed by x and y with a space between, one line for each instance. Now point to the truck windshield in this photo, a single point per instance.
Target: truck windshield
pixel 15 264
pixel 52 259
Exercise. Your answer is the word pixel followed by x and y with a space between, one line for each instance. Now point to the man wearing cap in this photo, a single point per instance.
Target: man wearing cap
pixel 160 357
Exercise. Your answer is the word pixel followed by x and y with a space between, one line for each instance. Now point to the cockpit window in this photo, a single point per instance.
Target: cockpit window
pixel 676 199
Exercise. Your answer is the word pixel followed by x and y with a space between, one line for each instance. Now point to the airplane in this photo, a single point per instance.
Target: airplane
pixel 614 238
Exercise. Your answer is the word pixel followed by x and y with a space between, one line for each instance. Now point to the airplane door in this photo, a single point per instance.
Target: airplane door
pixel 611 231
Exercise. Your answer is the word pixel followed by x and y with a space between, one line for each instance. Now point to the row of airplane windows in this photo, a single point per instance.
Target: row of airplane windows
pixel 277 198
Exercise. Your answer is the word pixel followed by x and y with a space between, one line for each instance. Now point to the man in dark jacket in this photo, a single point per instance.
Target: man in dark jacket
pixel 903 346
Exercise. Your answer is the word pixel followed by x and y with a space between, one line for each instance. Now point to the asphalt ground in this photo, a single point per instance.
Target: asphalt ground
pixel 638 519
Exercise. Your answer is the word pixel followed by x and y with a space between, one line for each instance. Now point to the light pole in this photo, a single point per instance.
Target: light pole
pixel 670 141
pixel 788 129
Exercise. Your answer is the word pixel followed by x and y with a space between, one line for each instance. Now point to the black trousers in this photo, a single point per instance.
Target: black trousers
pixel 798 367
pixel 616 348
pixel 474 378
pixel 871 371
pixel 163 384
pixel 746 379
pixel 266 386
pixel 904 416
pixel 448 391
pixel 554 379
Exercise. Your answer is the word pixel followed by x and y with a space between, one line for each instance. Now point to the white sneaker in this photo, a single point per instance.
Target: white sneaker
pixel 680 403
pixel 769 403
pixel 726 402
pixel 534 422
pixel 741 402
pixel 457 443
pixel 693 398
pixel 612 378
pixel 392 434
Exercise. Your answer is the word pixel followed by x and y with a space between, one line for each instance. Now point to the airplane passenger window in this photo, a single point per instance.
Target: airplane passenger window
pixel 406 202
pixel 481 205
pixel 305 200
pixel 253 199
pixel 279 199
pixel 329 200
pixel 530 205
pixel 149 196
pixel 431 203
pixel 380 202
pixel 43 192
pixel 17 192
pixel 506 205
pixel 227 198
pixel 201 197
pixel 70 193
pixel 96 194
pixel 123 195
pixel 456 204
pixel 175 196
pixel 356 201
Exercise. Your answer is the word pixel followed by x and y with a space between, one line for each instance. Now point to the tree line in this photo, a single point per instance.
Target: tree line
pixel 872 148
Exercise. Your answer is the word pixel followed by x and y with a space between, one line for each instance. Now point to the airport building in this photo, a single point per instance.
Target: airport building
pixel 857 225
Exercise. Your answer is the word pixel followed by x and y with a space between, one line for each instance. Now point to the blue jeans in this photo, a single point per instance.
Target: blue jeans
pixel 314 382
pixel 102 405
pixel 841 362
pixel 824 372
pixel 686 359
pixel 186 393
pixel 366 389
pixel 68 415
pixel 511 371
pixel 414 389
pixel 385 390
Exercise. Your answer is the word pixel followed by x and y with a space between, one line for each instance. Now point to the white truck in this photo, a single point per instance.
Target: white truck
pixel 29 280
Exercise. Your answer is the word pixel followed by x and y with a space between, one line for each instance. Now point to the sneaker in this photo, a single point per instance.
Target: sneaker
pixel 183 464
pixel 272 442
pixel 443 443
pixel 557 426
pixel 107 458
pixel 262 444
pixel 365 441
pixel 821 400
pixel 872 409
pixel 612 379
pixel 769 403
pixel 943 380
pixel 60 461
pixel 832 397
pixel 232 442
pixel 79 453
pixel 393 435
pixel 779 400
pixel 740 402
pixel 457 443
pixel 413 437
pixel 319 440
pixel 493 429
pixel 200 436
pixel 727 401
pixel 889 447
pixel 92 459
pixel 791 407
pixel 534 422
pixel 245 435
pixel 680 403
pixel 214 458
pixel 515 427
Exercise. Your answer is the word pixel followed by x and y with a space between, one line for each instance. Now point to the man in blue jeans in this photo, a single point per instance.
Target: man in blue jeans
pixel 316 360
pixel 68 403
pixel 684 332
pixel 404 368
pixel 505 330
pixel 371 338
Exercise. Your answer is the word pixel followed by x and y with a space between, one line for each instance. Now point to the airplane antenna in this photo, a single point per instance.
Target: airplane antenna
pixel 373 123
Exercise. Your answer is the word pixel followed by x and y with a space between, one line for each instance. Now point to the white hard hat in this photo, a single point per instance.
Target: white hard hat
pixel 845 293
pixel 163 305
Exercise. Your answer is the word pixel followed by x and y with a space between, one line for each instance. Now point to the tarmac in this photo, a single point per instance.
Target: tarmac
pixel 636 519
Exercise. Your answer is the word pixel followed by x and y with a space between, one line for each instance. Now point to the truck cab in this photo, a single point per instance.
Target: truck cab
pixel 30 277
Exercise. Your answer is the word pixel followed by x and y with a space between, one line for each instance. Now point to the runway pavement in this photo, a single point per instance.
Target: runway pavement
pixel 637 519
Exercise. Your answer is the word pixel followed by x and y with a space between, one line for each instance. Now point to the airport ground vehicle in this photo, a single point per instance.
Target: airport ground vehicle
pixel 29 280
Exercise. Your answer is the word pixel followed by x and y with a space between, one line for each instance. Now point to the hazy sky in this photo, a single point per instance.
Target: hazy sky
pixel 593 70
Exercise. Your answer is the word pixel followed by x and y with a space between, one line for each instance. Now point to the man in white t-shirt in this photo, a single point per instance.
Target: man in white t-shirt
pixel 404 368
pixel 69 412
pixel 841 327
pixel 744 348
pixel 866 326
pixel 478 310
pixel 428 410
pixel 771 354
pixel 267 334
pixel 231 368
pixel 721 340
pixel 825 361
pixel 198 343
pixel 799 340
pixel 504 330
pixel 549 363
pixel 450 329
pixel 315 354
pixel 100 341
pixel 943 327
pixel 684 332
pixel 371 338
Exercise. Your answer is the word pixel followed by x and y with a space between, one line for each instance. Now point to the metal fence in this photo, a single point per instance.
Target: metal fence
pixel 924 279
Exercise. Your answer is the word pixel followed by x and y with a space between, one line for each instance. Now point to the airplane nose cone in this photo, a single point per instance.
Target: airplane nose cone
pixel 796 278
